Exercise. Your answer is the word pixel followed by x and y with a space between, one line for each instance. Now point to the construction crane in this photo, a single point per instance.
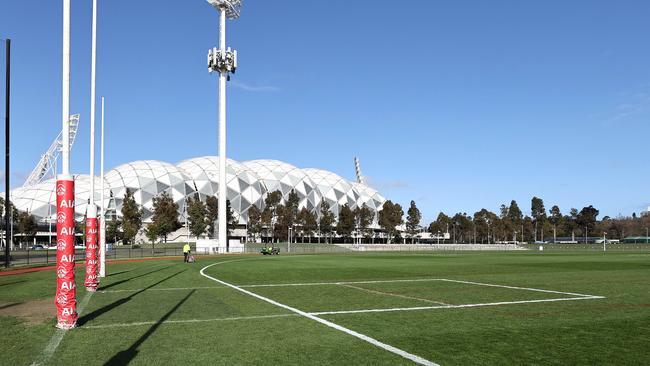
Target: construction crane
pixel 46 167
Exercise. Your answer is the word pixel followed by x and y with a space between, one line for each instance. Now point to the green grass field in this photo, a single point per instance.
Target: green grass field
pixel 445 308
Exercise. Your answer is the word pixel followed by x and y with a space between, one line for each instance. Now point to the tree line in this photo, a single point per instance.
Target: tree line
pixel 278 220
pixel 510 224
pixel 202 217
pixel 274 222
pixel 23 222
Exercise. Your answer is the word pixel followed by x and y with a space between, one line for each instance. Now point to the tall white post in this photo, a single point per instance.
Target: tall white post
pixel 66 295
pixel 93 73
pixel 223 74
pixel 65 110
pixel 91 281
pixel 102 222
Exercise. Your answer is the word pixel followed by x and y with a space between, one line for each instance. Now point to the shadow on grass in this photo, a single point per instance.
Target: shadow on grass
pixel 10 305
pixel 12 283
pixel 131 278
pixel 88 317
pixel 117 273
pixel 126 356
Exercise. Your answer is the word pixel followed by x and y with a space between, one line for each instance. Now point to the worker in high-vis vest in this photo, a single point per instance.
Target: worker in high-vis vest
pixel 186 252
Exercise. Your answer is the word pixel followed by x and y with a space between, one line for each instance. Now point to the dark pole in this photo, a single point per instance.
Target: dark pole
pixel 7 208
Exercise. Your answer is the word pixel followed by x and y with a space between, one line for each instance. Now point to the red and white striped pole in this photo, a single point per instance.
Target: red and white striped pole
pixel 91 281
pixel 65 300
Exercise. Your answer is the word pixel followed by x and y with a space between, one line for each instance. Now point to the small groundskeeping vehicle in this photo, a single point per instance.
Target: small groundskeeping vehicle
pixel 270 251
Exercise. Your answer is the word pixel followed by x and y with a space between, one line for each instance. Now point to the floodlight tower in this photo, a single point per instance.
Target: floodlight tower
pixel 224 61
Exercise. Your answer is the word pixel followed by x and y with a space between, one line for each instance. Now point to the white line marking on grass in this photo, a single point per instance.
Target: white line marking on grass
pixel 454 306
pixel 184 321
pixel 393 294
pixel 413 280
pixel 387 347
pixel 56 339
pixel 339 283
pixel 519 288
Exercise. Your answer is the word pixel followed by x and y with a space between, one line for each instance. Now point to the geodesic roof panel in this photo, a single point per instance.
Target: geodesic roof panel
pixel 334 189
pixel 40 199
pixel 244 187
pixel 147 179
pixel 283 177
pixel 369 197
pixel 247 183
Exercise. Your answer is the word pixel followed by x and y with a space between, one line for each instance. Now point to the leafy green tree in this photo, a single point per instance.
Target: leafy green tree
pixel 270 213
pixel 503 212
pixel 390 217
pixel 326 220
pixel 615 228
pixel 529 228
pixel 570 223
pixel 462 228
pixel 283 222
pixel 27 226
pixel 113 231
pixel 346 223
pixel 308 222
pixel 14 213
pixel 212 214
pixel 197 214
pixel 293 201
pixel 515 217
pixel 514 212
pixel 152 233
pixel 484 221
pixel 364 217
pixel 165 215
pixel 413 219
pixel 555 219
pixel 267 222
pixel 131 218
pixel 587 218
pixel 441 225
pixel 254 221
pixel 538 212
pixel 501 227
pixel 286 214
pixel 231 220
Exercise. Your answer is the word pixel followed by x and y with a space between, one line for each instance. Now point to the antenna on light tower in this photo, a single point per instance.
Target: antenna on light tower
pixel 357 168
pixel 224 61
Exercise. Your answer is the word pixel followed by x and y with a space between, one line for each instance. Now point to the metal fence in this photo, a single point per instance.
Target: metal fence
pixel 639 247
pixel 48 256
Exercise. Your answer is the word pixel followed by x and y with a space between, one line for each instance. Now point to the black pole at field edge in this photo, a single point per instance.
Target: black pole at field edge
pixel 7 208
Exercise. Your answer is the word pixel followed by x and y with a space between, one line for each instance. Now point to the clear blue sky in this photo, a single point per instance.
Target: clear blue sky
pixel 458 105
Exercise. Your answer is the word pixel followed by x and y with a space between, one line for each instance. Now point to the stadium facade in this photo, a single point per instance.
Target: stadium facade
pixel 248 183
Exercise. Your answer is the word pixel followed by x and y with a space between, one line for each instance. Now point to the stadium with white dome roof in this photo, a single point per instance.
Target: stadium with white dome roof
pixel 248 183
